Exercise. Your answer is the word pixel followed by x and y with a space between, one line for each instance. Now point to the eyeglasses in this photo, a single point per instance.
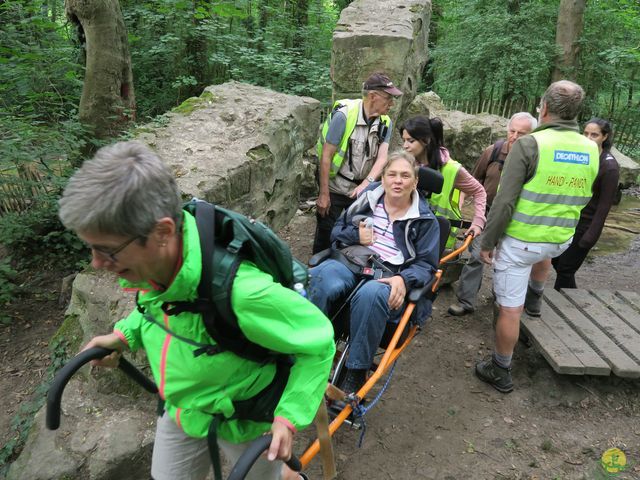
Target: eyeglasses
pixel 110 254
pixel 386 96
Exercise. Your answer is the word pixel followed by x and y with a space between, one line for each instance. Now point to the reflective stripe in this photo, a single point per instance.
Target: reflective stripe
pixel 552 198
pixel 547 221
pixel 352 112
pixel 445 212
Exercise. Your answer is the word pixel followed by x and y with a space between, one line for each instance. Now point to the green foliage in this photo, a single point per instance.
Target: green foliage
pixel 40 84
pixel 40 78
pixel 7 287
pixel 610 68
pixel 23 419
pixel 178 48
pixel 37 238
pixel 494 51
pixel 486 49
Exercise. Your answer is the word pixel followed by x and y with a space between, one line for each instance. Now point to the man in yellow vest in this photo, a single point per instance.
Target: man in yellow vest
pixel 352 150
pixel 546 181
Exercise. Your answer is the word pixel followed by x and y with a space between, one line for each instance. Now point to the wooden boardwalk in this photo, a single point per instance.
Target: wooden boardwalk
pixel 588 332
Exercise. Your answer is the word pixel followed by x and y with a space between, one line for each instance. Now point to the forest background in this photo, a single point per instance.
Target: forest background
pixel 485 55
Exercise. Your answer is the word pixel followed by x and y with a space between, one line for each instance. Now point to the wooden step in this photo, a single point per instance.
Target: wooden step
pixel 588 332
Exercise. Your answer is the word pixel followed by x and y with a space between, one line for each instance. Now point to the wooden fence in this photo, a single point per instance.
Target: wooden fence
pixel 626 123
pixel 503 108
pixel 19 188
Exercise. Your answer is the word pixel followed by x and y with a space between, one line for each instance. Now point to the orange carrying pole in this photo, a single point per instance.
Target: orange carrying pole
pixel 392 352
pixel 390 356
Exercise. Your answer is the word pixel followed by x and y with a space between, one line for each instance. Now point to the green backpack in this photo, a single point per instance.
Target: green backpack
pixel 226 239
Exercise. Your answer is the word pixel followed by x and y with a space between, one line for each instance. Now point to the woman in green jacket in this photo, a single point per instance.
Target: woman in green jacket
pixel 126 206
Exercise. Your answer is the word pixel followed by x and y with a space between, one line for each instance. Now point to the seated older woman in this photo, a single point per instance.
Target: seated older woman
pixel 405 235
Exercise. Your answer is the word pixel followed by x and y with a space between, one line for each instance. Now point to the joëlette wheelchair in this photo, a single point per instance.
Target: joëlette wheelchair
pixel 397 335
pixel 395 339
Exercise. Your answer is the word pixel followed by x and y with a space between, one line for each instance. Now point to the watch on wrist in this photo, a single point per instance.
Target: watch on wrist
pixel 370 179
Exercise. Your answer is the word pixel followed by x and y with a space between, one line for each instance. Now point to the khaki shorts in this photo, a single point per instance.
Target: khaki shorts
pixel 512 266
pixel 177 456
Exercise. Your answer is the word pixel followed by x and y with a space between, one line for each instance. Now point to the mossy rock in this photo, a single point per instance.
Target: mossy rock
pixel 69 333
pixel 194 103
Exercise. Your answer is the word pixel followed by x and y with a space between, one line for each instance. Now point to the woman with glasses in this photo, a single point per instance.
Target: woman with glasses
pixel 125 204
pixel 594 214
pixel 424 139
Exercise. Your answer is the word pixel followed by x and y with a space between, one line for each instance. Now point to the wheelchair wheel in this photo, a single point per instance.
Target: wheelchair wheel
pixel 339 371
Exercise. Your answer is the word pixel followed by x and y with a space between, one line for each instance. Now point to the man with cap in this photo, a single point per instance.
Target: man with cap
pixel 352 150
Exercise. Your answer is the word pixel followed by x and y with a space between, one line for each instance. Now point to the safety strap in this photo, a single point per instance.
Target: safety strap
pixel 214 449
pixel 495 153
pixel 200 347
pixel 378 270
pixel 460 223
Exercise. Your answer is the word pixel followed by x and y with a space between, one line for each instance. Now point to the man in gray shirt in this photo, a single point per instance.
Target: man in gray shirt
pixel 353 148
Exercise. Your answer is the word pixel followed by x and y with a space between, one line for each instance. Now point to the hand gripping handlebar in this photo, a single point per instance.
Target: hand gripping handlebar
pixel 54 396
pixel 251 454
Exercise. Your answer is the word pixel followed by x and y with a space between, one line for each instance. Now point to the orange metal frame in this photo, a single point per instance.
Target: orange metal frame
pixel 392 352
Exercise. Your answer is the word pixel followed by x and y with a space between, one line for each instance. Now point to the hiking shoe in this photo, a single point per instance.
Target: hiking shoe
pixel 458 310
pixel 354 379
pixel 496 376
pixel 533 303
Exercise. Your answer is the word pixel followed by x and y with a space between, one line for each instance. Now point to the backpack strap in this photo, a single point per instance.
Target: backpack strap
pixel 205 221
pixel 497 147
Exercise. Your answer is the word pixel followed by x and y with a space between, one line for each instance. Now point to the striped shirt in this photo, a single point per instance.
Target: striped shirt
pixel 384 244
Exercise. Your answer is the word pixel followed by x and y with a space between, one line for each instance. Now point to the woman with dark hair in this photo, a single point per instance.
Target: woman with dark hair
pixel 424 139
pixel 595 212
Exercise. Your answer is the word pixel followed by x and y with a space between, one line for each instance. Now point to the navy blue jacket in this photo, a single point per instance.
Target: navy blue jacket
pixel 417 238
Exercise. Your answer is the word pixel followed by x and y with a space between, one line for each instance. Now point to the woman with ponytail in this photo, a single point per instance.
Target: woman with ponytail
pixel 424 139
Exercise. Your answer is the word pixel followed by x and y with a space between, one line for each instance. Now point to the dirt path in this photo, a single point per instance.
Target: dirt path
pixel 436 420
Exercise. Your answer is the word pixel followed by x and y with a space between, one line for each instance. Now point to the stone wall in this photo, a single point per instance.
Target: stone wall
pixel 389 36
pixel 239 146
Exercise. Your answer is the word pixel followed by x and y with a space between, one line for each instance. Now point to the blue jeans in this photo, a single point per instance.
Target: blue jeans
pixel 331 281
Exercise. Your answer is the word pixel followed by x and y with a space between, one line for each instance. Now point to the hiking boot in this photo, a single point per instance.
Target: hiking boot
pixel 496 376
pixel 354 379
pixel 533 302
pixel 458 310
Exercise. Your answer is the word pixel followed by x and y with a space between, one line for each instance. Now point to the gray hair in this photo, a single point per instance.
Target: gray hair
pixel 525 116
pixel 402 155
pixel 124 190
pixel 563 99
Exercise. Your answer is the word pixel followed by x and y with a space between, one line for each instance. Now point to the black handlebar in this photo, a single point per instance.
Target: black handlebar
pixel 251 454
pixel 54 396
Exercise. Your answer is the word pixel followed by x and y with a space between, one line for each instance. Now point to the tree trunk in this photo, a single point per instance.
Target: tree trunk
pixel 568 31
pixel 107 103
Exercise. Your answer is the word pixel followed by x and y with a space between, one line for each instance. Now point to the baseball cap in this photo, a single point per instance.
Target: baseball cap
pixel 379 81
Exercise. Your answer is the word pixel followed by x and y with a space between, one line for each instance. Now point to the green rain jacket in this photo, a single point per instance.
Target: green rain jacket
pixel 195 388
